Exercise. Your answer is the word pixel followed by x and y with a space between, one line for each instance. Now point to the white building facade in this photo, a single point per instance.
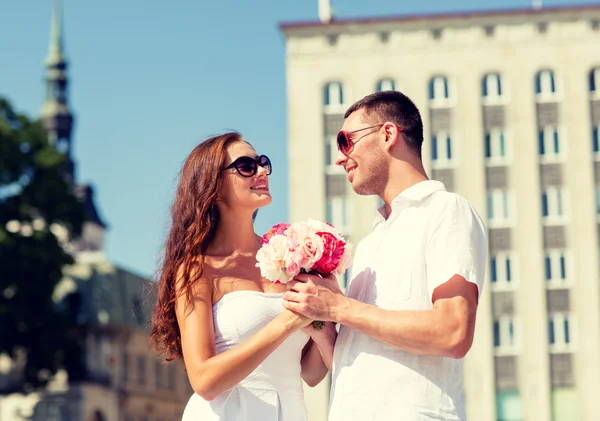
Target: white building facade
pixel 511 107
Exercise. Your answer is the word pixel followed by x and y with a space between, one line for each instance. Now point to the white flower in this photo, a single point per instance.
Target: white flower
pixel 270 258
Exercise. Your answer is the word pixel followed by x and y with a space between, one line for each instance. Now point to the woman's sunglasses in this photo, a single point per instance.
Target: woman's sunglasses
pixel 346 146
pixel 247 166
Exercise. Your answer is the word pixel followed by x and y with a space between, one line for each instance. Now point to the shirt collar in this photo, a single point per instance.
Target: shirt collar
pixel 413 195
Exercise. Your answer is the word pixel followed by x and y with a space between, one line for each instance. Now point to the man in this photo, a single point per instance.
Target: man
pixel 409 315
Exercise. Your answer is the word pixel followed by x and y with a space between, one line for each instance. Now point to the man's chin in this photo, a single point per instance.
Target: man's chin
pixel 361 189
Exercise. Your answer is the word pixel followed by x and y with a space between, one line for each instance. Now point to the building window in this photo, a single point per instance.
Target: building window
pixel 595 82
pixel 331 152
pixel 57 411
pixel 439 90
pixel 498 208
pixel 124 367
pixel 560 332
pixel 556 268
pixel 158 374
pixel 564 401
pixel 93 354
pixel 596 140
pixel 105 354
pixel 545 85
pixel 549 144
pixel 441 150
pixel 505 335
pixel 336 212
pixel 598 200
pixel 495 146
pixel 491 87
pixel 553 205
pixel 171 377
pixel 385 85
pixel 334 95
pixel 141 370
pixel 509 406
pixel 502 271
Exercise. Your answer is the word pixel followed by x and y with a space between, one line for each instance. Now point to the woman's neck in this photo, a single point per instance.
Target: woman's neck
pixel 235 233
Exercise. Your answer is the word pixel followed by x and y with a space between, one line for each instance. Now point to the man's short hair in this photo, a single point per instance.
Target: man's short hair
pixel 396 107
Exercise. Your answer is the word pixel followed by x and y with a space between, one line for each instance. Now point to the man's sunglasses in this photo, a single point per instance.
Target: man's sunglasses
pixel 346 146
pixel 247 166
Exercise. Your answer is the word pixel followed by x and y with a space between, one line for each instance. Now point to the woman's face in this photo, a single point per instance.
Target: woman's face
pixel 241 188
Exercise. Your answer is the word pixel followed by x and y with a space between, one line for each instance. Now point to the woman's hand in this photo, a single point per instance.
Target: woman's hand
pixel 325 337
pixel 318 358
pixel 296 320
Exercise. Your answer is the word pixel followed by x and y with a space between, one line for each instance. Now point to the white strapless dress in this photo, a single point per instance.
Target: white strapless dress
pixel 273 391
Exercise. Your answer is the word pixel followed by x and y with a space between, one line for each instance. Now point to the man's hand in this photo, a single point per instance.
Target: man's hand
pixel 315 297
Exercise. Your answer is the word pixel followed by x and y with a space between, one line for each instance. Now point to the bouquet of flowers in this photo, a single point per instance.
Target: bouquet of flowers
pixel 311 246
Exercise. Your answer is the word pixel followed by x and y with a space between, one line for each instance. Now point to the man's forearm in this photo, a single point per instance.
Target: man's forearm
pixel 436 332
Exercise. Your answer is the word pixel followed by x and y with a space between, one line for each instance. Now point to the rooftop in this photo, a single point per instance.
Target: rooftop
pixel 448 16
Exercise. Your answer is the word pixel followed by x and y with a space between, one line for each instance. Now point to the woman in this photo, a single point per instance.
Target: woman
pixel 245 355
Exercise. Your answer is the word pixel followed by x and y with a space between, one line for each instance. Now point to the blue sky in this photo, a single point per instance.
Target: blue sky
pixel 150 80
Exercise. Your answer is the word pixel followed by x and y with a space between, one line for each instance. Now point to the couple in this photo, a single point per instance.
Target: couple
pixel 405 324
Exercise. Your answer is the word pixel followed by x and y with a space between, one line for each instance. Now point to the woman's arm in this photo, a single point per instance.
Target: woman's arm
pixel 210 374
pixel 317 357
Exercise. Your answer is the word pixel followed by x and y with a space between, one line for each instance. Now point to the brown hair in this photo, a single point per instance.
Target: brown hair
pixel 396 107
pixel 194 220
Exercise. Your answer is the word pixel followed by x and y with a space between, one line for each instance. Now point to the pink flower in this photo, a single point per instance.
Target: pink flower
pixel 345 261
pixel 319 226
pixel 304 240
pixel 278 229
pixel 312 245
pixel 312 250
pixel 270 259
pixel 292 262
pixel 333 250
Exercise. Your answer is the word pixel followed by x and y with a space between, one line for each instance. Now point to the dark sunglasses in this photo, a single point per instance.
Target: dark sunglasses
pixel 247 166
pixel 346 146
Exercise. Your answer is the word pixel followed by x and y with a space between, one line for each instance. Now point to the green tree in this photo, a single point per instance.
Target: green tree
pixel 36 204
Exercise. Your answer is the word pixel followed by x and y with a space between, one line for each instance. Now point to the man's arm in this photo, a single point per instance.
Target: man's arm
pixel 446 330
pixel 455 259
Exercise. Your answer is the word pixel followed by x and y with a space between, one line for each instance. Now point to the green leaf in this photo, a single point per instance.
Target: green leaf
pixel 32 262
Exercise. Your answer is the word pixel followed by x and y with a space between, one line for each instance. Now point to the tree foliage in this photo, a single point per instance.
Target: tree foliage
pixel 38 213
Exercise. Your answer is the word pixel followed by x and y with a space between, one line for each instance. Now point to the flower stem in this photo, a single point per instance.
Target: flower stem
pixel 318 325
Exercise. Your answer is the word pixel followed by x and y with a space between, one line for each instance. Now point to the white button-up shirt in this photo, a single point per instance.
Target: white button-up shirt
pixel 430 236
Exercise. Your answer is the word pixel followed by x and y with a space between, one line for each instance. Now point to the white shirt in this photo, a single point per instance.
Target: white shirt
pixel 430 236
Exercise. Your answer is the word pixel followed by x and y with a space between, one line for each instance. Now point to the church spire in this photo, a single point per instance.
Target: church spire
pixel 55 52
pixel 58 122
pixel 56 115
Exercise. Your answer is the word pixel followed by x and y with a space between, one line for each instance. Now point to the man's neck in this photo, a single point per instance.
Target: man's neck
pixel 402 176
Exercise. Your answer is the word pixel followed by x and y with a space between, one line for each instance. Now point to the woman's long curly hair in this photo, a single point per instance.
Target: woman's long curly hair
pixel 194 220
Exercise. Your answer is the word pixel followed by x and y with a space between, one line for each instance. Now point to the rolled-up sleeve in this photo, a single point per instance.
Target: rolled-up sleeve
pixel 457 245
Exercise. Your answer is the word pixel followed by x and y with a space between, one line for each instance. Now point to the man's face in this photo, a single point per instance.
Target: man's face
pixel 366 164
